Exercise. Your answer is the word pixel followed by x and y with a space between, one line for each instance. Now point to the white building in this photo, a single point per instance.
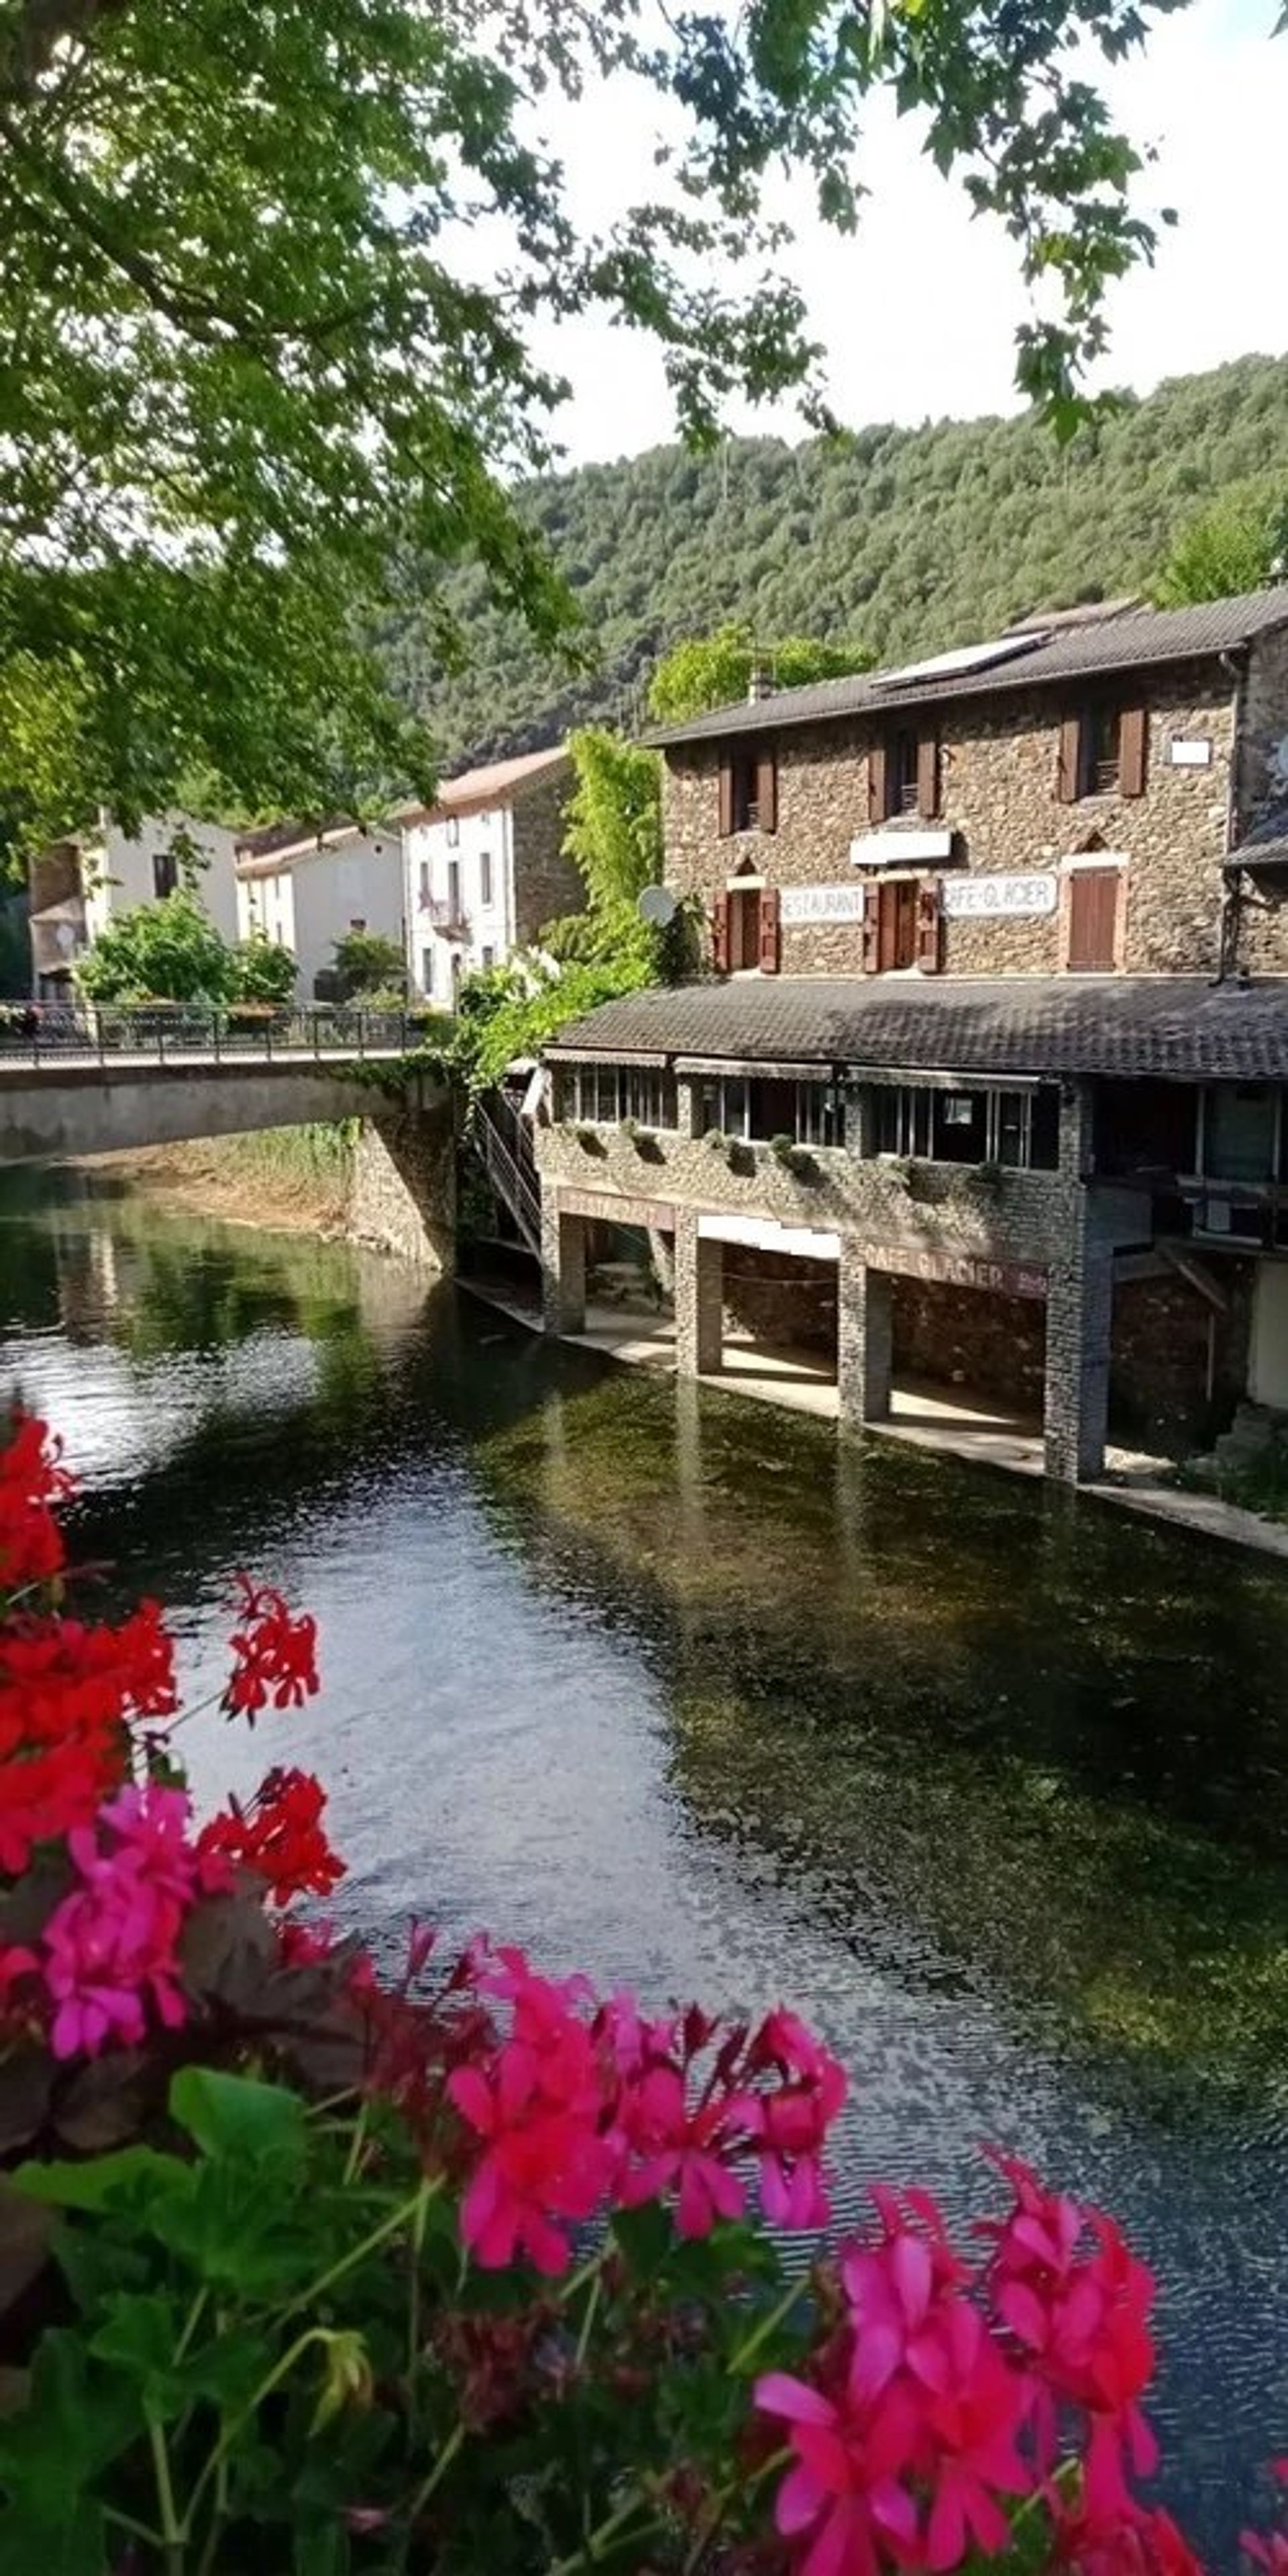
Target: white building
pixel 485 868
pixel 304 886
pixel 168 851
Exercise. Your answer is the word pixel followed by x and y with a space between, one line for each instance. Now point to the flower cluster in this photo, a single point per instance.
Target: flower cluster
pixel 580 2106
pixel 274 1654
pixel 279 1836
pixel 32 1481
pixel 952 2391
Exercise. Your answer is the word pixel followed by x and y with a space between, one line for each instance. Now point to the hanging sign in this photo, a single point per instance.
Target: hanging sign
pixel 997 896
pixel 821 903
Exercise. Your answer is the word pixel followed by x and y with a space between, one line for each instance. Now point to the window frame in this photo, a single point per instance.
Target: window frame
pixel 165 875
pixel 906 1113
pixel 485 879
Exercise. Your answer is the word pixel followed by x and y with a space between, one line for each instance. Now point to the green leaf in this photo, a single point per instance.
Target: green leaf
pixel 137 2171
pixel 646 2235
pixel 139 2334
pixel 76 2547
pixel 236 2115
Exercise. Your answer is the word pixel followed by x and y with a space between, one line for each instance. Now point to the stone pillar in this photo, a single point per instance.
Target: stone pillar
pixel 864 1340
pixel 699 1299
pixel 563 1267
pixel 1080 1305
pixel 402 1187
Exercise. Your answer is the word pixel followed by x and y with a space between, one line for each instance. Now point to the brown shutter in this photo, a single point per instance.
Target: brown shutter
pixel 1093 920
pixel 1069 780
pixel 871 928
pixel 928 777
pixel 726 791
pixel 720 934
pixel 770 908
pixel 929 927
pixel 767 788
pixel 1133 739
pixel 877 808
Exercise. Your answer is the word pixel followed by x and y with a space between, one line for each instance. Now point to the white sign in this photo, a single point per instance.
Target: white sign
pixel 822 903
pixel 764 1235
pixel 989 897
pixel 900 849
pixel 1193 752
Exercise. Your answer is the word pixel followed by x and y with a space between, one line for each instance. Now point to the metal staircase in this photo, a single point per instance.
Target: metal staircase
pixel 502 1141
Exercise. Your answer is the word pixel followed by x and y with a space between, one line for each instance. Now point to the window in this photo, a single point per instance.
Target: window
pixel 453 890
pixel 903 776
pixel 424 895
pixel 489 960
pixel 427 970
pixel 748 788
pixel 1103 751
pixel 746 930
pixel 1240 1130
pixel 485 877
pixel 731 1104
pixel 1020 1129
pixel 901 925
pixel 601 1095
pixel 453 831
pixel 165 874
pixel 1093 900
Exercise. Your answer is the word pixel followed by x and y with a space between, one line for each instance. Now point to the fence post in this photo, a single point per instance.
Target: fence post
pixel 98 1032
pixel 268 1038
pixel 161 1041
pixel 362 1017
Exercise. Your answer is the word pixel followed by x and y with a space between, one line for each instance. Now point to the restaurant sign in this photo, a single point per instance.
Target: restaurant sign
pixel 995 896
pixel 821 903
pixel 961 1270
pixel 613 1207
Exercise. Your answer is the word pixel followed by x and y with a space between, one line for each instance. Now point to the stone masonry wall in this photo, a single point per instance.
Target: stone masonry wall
pixel 1262 940
pixel 998 780
pixel 958 1337
pixel 547 884
pixel 781 1297
pixel 403 1192
pixel 1162 1332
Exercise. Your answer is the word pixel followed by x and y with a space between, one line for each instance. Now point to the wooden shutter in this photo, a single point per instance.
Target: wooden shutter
pixel 726 791
pixel 871 929
pixel 1133 741
pixel 1093 920
pixel 770 909
pixel 720 934
pixel 929 927
pixel 1069 779
pixel 767 788
pixel 928 777
pixel 877 806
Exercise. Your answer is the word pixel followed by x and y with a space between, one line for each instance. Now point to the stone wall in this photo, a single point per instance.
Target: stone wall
pixel 998 791
pixel 780 1297
pixel 547 884
pixel 1261 941
pixel 1166 1339
pixel 993 1345
pixel 403 1192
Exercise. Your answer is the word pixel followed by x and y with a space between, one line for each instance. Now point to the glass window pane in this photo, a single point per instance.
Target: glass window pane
pixel 1013 1128
pixel 1239 1142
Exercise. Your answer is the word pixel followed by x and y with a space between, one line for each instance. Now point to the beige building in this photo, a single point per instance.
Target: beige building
pixel 987 1080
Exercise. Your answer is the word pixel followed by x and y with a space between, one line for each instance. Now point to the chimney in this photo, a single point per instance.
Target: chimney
pixel 760 682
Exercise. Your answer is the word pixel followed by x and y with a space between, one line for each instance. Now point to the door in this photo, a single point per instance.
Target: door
pixel 1093 921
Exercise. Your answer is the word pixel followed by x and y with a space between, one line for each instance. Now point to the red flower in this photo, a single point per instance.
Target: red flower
pixel 275 1655
pixel 280 1837
pixel 67 1692
pixel 32 1481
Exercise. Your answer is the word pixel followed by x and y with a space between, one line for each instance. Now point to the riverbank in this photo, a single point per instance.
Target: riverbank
pixel 288 1180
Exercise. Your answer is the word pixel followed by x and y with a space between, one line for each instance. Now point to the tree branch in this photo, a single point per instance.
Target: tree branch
pixel 34 31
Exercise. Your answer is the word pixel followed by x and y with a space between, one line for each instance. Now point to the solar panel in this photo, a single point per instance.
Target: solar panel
pixel 950 666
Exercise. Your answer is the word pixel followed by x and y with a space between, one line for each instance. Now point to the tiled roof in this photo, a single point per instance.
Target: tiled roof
pixel 280 840
pixel 1115 642
pixel 1161 1025
pixel 1267 845
pixel 493 785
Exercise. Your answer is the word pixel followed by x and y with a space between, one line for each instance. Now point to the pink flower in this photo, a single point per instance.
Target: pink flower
pixel 792 2122
pixel 539 2106
pixel 110 1950
pixel 845 2495
pixel 1269 2549
pixel 671 2146
pixel 974 2408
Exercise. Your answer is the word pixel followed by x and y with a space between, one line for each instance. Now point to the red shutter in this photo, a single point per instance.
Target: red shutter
pixel 1133 741
pixel 770 908
pixel 720 934
pixel 726 792
pixel 1093 920
pixel 928 777
pixel 1069 778
pixel 929 927
pixel 871 928
pixel 877 807
pixel 767 788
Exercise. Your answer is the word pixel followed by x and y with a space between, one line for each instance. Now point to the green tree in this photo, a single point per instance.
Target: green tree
pixel 715 670
pixel 258 389
pixel 264 972
pixel 1238 543
pixel 168 951
pixel 366 962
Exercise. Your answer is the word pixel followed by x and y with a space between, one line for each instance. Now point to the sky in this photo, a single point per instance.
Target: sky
pixel 1211 93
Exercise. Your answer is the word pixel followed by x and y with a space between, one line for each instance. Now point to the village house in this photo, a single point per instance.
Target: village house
pixel 485 868
pixel 305 886
pixel 77 889
pixel 987 1084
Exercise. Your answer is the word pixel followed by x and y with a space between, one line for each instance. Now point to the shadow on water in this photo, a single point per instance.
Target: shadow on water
pixel 992 1786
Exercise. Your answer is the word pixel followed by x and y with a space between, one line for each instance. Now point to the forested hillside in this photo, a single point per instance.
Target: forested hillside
pixel 908 540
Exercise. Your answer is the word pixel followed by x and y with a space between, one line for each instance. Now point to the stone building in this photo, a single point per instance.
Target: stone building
pixel 987 1080
pixel 485 868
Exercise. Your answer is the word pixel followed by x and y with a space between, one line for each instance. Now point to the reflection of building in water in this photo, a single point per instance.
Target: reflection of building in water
pixel 89 1281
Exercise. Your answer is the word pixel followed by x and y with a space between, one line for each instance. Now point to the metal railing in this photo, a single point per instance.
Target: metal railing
pixel 504 1145
pixel 49 1034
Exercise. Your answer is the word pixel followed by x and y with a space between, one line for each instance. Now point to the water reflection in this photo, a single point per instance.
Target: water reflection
pixel 679 1689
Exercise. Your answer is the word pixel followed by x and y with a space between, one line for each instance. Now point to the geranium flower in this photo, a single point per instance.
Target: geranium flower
pixel 274 1653
pixel 845 2498
pixel 280 1837
pixel 32 1481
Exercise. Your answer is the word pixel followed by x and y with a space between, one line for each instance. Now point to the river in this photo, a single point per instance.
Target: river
pixel 991 1785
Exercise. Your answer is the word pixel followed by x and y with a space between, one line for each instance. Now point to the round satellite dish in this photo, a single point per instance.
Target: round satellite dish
pixel 656 905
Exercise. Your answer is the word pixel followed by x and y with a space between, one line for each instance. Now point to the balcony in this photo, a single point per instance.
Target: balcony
pixel 451 918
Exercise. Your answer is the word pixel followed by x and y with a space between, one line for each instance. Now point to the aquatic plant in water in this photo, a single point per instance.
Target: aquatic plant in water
pixel 456 2268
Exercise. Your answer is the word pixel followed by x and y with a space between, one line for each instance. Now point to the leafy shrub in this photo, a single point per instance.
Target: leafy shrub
pixel 366 962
